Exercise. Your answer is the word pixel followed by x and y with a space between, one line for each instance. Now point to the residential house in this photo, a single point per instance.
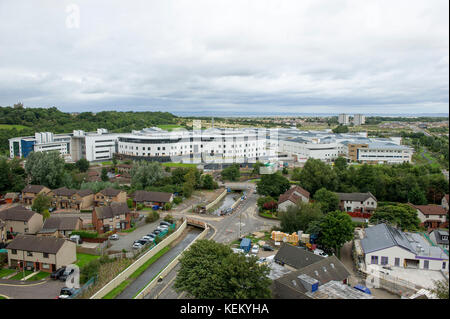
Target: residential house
pixel 30 192
pixel 2 233
pixel 445 202
pixel 109 195
pixel 295 257
pixel 384 245
pixel 292 197
pixel 152 198
pixel 93 176
pixel 60 226
pixel 20 220
pixel 65 198
pixel 440 238
pixel 116 216
pixel 357 202
pixel 11 198
pixel 124 169
pixel 40 253
pixel 431 216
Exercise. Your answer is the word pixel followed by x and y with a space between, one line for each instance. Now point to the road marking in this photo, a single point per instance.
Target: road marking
pixel 5 296
pixel 30 285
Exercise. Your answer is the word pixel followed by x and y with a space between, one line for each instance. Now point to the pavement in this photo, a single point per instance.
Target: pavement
pixel 44 289
pixel 155 268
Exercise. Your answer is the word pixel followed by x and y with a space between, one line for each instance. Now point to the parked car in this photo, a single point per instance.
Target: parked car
pixel 51 209
pixel 146 240
pixel 57 273
pixel 76 239
pixel 156 231
pixel 67 292
pixel 255 249
pixel 66 274
pixel 320 252
pixel 165 223
pixel 141 241
pixel 151 235
pixel 114 237
pixel 261 260
pixel 267 248
pixel 137 245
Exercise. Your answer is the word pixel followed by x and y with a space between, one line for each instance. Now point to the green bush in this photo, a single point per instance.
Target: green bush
pixel 130 202
pixel 3 259
pixel 167 206
pixel 151 217
pixel 169 218
pixel 177 200
pixel 140 206
pixel 85 234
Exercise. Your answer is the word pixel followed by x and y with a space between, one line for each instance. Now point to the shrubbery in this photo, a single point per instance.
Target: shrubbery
pixel 85 234
pixel 151 217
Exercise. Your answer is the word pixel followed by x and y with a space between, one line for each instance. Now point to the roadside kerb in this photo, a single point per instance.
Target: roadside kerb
pixel 169 267
pixel 138 263
pixel 218 199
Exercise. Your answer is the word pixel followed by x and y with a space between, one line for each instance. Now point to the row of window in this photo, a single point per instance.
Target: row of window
pixel 385 261
pixel 29 253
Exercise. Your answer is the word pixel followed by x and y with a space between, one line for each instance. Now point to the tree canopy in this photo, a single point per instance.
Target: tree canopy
pixel 328 200
pixel 336 228
pixel 272 185
pixel 46 169
pixel 399 215
pixel 299 217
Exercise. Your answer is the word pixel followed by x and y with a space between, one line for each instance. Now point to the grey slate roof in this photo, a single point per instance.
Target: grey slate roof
pixel 110 191
pixel 295 256
pixel 44 244
pixel 17 213
pixel 110 211
pixel 383 236
pixel 33 189
pixel 358 197
pixel 144 196
pixel 64 191
pixel 84 192
pixel 61 223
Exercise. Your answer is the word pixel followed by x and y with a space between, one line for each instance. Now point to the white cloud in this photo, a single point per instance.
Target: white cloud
pixel 293 56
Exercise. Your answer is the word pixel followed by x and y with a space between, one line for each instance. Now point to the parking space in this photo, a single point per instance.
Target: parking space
pixel 14 289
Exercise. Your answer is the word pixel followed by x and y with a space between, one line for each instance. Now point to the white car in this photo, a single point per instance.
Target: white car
pixel 255 249
pixel 320 252
pixel 114 237
pixel 148 238
pixel 137 246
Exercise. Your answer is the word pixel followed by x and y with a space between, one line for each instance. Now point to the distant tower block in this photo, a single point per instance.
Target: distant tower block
pixel 359 119
pixel 344 119
pixel 212 122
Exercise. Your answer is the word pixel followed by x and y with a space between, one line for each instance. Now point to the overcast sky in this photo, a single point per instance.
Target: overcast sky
pixel 228 56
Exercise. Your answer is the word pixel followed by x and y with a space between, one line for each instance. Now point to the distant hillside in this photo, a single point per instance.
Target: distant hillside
pixel 20 121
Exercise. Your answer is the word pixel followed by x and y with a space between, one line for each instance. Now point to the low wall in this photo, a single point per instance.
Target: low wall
pixel 138 263
pixel 218 199
pixel 168 268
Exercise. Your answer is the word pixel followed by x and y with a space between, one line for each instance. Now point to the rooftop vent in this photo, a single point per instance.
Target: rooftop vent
pixel 324 269
pixel 332 265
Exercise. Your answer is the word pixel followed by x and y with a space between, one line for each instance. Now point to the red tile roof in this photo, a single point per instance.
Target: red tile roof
pixel 431 209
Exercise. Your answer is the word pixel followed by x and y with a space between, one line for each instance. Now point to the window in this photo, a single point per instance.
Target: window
pixel 29 254
pixel 45 266
pixel 14 251
pixel 45 255
pixel 384 260
pixel 374 260
pixel 444 265
pixel 426 264
pixel 397 262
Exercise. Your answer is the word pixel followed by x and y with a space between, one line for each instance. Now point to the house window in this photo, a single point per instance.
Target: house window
pixel 117 217
pixel 118 225
pixel 45 266
pixel 14 251
pixel 397 262
pixel 444 265
pixel 111 219
pixel 426 264
pixel 384 260
pixel 45 255
pixel 374 260
pixel 29 254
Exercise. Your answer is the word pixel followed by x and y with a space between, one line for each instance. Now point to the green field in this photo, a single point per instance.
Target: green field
pixel 169 127
pixel 83 259
pixel 11 126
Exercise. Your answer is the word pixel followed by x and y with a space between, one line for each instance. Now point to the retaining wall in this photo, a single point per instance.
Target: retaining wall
pixel 218 199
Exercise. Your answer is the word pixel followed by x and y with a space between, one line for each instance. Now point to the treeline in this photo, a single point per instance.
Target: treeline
pixel 53 120
pixel 433 143
pixel 418 184
pixel 378 119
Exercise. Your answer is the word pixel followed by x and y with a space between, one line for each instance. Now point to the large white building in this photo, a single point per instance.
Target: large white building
pixel 344 119
pixel 359 119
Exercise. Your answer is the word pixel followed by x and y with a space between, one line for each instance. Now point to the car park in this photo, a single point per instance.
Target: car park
pixel 255 249
pixel 151 236
pixel 114 237
pixel 57 273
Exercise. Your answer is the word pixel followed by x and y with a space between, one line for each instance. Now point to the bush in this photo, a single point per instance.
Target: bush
pixel 169 218
pixel 167 206
pixel 3 260
pixel 130 203
pixel 177 200
pixel 85 234
pixel 151 217
pixel 140 206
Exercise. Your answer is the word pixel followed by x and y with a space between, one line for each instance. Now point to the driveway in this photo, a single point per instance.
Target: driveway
pixel 45 289
pixel 127 239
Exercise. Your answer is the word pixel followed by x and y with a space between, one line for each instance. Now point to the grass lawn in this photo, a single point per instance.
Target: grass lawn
pixel 20 275
pixel 132 229
pixel 1 297
pixel 179 165
pixel 169 127
pixel 39 276
pixel 267 215
pixel 83 259
pixel 6 272
pixel 11 126
pixel 116 291
pixel 107 163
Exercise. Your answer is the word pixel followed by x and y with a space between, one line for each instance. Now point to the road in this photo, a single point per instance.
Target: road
pixel 45 289
pixel 132 290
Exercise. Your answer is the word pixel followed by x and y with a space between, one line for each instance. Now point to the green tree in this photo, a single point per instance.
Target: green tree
pixel 207 182
pixel 272 185
pixel 340 129
pixel 45 169
pixel 210 270
pixel 256 167
pixel 144 174
pixel 399 215
pixel 340 163
pixel 82 165
pixel 231 173
pixel 336 228
pixel 41 204
pixel 299 217
pixel 440 289
pixel 316 174
pixel 104 175
pixel 328 200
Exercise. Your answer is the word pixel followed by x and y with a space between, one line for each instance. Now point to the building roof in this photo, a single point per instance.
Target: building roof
pixel 33 189
pixel 383 236
pixel 110 211
pixel 292 196
pixel 84 192
pixel 110 191
pixel 430 209
pixel 61 223
pixel 17 213
pixel 50 245
pixel 64 191
pixel 358 197
pixel 11 195
pixel 296 257
pixel 144 196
